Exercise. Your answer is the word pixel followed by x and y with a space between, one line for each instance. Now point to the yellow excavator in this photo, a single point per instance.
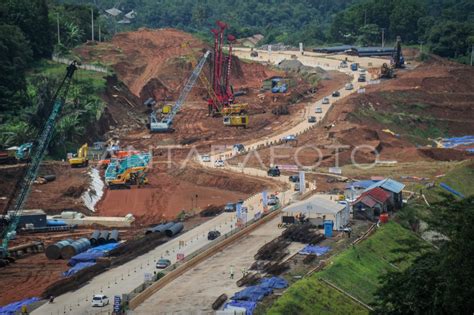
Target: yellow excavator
pixel 132 176
pixel 81 159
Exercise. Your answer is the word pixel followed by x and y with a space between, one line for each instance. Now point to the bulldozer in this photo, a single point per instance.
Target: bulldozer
pixel 132 176
pixel 81 159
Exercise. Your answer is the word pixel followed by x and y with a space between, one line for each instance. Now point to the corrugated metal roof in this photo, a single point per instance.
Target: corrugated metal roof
pixel 388 184
pixel 378 194
pixel 361 184
pixel 316 205
pixel 366 200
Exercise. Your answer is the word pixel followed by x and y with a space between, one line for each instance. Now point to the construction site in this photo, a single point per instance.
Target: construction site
pixel 187 173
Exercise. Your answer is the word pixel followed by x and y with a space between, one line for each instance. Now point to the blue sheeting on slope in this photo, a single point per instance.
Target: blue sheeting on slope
pixel 274 283
pixel 249 306
pixel 16 306
pixel 451 190
pixel 456 141
pixel 317 250
pixel 77 267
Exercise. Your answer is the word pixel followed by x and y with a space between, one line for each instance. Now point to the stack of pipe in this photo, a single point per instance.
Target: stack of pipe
pixel 74 248
pixel 54 251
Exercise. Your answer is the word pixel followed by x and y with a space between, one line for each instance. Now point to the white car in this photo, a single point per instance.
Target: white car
pixel 326 100
pixel 205 158
pixel 318 110
pixel 219 163
pixel 100 300
pixel 362 70
pixel 349 86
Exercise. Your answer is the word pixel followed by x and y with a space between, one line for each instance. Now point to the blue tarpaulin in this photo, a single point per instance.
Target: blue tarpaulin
pixel 274 283
pixel 55 222
pixel 457 141
pixel 317 250
pixel 248 305
pixel 92 254
pixel 451 190
pixel 16 306
pixel 77 267
pixel 253 293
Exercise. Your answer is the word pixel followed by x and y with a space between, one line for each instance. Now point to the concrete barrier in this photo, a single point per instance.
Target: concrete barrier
pixel 148 292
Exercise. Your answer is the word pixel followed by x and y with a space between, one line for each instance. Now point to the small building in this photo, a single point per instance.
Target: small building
pixel 370 204
pixel 354 189
pixel 31 218
pixel 318 209
pixel 250 42
pixel 394 188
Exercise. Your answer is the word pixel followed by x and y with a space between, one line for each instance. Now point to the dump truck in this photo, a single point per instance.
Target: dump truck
pixel 81 159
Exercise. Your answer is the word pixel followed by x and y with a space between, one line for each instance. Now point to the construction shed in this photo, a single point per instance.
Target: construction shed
pixel 370 204
pixel 394 188
pixel 354 189
pixel 31 218
pixel 318 209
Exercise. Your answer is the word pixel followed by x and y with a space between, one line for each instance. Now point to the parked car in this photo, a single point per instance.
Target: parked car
pixel 343 64
pixel 205 158
pixel 354 67
pixel 238 147
pixel 294 178
pixel 219 163
pixel 289 138
pixel 163 263
pixel 229 207
pixel 362 70
pixel 273 171
pixel 361 78
pixel 100 300
pixel 349 86
pixel 272 200
pixel 326 100
pixel 311 119
pixel 318 110
pixel 336 94
pixel 212 235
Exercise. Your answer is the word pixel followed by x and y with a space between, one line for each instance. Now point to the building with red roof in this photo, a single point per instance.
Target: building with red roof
pixel 371 203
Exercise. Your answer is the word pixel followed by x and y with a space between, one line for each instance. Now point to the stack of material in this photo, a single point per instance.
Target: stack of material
pixel 303 233
pixel 211 211
pixel 274 250
pixel 248 279
pixel 276 268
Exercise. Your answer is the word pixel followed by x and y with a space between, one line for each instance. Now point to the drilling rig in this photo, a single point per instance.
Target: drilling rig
pixel 223 102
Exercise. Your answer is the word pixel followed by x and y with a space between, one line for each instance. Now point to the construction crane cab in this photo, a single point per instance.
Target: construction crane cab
pixel 23 152
pixel 81 159
pixel 236 120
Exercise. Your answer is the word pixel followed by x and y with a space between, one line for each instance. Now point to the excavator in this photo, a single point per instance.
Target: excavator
pixel 131 176
pixel 81 159
pixel 397 62
pixel 23 187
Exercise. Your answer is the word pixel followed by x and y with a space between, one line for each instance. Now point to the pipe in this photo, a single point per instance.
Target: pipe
pixel 114 236
pixel 94 239
pixel 175 229
pixel 54 251
pixel 104 237
pixel 159 228
pixel 76 247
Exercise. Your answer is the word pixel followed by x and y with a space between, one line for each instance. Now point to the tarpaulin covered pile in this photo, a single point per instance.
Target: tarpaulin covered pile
pixel 77 267
pixel 92 254
pixel 16 306
pixel 457 141
pixel 316 250
pixel 248 297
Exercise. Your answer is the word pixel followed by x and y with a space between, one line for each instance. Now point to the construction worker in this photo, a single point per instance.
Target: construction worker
pixel 24 309
pixel 232 272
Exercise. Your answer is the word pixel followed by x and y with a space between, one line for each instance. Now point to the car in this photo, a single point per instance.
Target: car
pixel 349 86
pixel 289 138
pixel 336 94
pixel 212 235
pixel 294 178
pixel 238 147
pixel 311 119
pixel 163 263
pixel 100 300
pixel 354 67
pixel 219 163
pixel 326 100
pixel 361 78
pixel 343 64
pixel 362 70
pixel 229 207
pixel 318 110
pixel 273 171
pixel 205 158
pixel 272 200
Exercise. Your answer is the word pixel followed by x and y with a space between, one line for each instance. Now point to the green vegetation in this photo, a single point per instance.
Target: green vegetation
pixel 440 281
pixel 357 270
pixel 312 296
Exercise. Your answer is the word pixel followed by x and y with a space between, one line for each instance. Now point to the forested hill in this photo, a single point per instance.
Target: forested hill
pixel 446 27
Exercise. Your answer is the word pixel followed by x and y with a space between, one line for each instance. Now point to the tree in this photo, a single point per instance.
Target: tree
pixel 15 55
pixel 440 281
pixel 369 34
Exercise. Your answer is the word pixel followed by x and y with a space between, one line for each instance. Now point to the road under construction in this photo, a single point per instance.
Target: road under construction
pixel 125 278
